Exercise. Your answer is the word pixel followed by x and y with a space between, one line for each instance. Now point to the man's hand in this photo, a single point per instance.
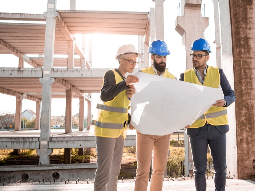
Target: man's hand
pixel 131 127
pixel 219 103
pixel 131 79
pixel 187 126
pixel 130 91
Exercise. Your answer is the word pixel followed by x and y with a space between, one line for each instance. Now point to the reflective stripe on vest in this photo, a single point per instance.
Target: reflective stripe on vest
pixel 109 125
pixel 112 109
pixel 212 115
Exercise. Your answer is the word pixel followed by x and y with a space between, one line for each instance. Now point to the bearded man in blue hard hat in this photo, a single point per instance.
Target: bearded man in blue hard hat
pixel 145 144
pixel 211 128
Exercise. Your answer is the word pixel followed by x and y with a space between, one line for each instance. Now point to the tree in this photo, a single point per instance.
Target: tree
pixel 6 120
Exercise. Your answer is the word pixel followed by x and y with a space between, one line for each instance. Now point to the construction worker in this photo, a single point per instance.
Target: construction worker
pixel 145 144
pixel 211 128
pixel 110 127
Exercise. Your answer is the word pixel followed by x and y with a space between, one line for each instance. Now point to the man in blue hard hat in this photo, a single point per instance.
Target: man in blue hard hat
pixel 145 144
pixel 211 128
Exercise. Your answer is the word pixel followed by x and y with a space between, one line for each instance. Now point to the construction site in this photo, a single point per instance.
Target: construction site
pixel 72 76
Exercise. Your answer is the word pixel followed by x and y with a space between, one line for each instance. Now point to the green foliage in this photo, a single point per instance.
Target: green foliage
pixel 175 160
pixel 130 150
pixel 175 143
pixel 31 124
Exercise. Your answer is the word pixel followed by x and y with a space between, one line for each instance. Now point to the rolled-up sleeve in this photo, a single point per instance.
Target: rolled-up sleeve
pixel 229 94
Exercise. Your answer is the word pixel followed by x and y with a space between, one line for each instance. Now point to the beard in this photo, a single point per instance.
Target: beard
pixel 159 67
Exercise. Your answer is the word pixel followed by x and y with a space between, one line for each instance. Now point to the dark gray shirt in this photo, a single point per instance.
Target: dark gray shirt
pixel 110 89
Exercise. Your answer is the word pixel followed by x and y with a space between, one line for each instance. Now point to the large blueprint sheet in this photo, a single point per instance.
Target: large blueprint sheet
pixel 161 105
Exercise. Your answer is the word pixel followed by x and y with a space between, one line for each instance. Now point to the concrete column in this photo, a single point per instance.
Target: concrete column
pixel 89 113
pixel 21 62
pixel 159 19
pixel 83 47
pixel 217 32
pixel 18 119
pixel 146 55
pixel 140 50
pixel 44 151
pixel 90 49
pixel 185 26
pixel 72 4
pixel 70 59
pixel 152 30
pixel 38 115
pixel 227 65
pixel 68 123
pixel 68 118
pixel 81 114
pixel 18 113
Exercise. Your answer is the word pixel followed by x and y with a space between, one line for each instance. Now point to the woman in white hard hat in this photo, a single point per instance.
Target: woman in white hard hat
pixel 110 127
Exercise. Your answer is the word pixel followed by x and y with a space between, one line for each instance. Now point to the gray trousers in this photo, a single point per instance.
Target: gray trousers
pixel 209 135
pixel 109 155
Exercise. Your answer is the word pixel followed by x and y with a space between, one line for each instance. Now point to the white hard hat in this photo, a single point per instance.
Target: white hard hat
pixel 126 49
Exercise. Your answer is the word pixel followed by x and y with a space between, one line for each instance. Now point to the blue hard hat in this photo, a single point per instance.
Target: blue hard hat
pixel 159 47
pixel 201 45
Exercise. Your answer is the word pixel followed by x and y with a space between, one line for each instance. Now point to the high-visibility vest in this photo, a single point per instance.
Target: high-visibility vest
pixel 166 74
pixel 214 115
pixel 113 114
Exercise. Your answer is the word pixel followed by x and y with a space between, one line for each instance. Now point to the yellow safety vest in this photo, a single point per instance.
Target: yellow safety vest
pixel 113 114
pixel 150 70
pixel 214 115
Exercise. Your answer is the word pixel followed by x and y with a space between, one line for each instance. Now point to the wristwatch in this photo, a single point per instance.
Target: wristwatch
pixel 225 103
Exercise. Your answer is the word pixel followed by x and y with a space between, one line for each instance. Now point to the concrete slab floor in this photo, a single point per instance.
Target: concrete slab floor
pixel 128 185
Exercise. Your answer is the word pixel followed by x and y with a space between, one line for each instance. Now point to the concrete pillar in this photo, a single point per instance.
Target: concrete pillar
pixel 81 119
pixel 21 62
pixel 228 67
pixel 70 59
pixel 81 114
pixel 72 4
pixel 89 113
pixel 83 47
pixel 44 151
pixel 217 32
pixel 68 118
pixel 185 26
pixel 90 49
pixel 146 55
pixel 18 113
pixel 159 19
pixel 68 123
pixel 152 30
pixel 38 115
pixel 67 155
pixel 141 50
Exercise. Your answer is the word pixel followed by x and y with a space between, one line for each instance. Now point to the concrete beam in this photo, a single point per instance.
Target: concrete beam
pixel 69 73
pixel 9 92
pixel 159 19
pixel 14 93
pixel 22 16
pixel 65 84
pixel 22 72
pixel 17 53
pixel 60 23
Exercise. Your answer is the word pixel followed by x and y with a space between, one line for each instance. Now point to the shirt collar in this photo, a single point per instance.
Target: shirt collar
pixel 205 70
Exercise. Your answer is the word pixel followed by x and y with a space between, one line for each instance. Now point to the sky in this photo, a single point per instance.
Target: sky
pixel 104 47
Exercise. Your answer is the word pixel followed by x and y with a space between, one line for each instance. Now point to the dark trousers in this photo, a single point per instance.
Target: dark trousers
pixel 209 135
